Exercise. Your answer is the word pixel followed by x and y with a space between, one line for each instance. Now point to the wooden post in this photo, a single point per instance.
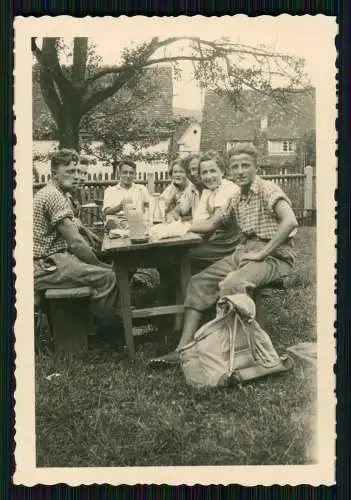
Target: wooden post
pixel 150 182
pixel 308 188
pixel 308 191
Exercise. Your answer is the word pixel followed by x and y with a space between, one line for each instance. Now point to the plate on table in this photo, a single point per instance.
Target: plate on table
pixel 118 233
pixel 142 239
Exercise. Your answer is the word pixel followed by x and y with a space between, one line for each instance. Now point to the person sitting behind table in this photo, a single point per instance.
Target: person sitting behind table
pixel 75 200
pixel 144 282
pixel 265 253
pixel 215 195
pixel 125 191
pixel 62 257
pixel 180 197
pixel 191 163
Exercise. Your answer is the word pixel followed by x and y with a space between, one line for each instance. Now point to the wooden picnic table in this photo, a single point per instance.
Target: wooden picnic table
pixel 125 255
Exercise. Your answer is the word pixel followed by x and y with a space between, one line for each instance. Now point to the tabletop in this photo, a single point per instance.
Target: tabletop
pixel 112 245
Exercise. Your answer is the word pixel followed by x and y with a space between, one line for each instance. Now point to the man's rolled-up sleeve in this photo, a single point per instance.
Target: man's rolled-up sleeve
pixel 273 195
pixel 57 209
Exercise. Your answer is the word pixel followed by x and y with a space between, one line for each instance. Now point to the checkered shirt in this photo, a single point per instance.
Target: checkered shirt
pixel 254 213
pixel 50 207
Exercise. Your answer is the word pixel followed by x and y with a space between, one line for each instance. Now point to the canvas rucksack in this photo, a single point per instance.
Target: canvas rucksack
pixel 231 347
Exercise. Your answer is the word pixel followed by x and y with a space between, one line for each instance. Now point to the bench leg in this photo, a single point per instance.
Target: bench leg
pixel 69 324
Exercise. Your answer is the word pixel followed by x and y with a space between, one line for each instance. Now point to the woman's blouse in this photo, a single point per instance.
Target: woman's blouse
pixel 212 199
pixel 185 200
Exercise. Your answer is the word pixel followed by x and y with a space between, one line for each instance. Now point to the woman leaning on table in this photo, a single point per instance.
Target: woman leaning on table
pixel 215 195
pixel 180 197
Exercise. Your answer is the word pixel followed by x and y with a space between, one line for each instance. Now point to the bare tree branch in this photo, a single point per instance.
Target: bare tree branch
pixel 48 58
pixel 218 48
pixel 103 94
pixel 121 69
pixel 80 57
pixel 51 96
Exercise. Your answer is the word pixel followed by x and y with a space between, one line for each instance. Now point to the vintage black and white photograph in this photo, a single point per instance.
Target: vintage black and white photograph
pixel 175 214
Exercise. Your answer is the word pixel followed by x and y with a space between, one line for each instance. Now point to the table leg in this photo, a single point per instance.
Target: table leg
pixel 185 275
pixel 121 271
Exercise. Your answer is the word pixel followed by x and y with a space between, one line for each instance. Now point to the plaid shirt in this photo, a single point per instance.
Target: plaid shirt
pixel 49 208
pixel 74 204
pixel 254 213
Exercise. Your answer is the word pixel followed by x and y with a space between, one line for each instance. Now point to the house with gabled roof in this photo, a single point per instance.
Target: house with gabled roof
pixel 278 131
pixel 186 139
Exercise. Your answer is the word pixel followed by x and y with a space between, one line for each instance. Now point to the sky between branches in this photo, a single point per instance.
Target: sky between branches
pixel 302 36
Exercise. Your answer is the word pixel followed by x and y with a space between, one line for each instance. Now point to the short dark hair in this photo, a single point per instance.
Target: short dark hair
pixel 174 163
pixel 130 163
pixel 185 162
pixel 215 156
pixel 244 149
pixel 63 157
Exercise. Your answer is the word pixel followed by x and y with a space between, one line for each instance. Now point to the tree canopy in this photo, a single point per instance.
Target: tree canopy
pixel 73 92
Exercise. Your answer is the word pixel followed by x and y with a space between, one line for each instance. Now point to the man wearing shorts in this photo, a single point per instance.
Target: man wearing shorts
pixel 264 254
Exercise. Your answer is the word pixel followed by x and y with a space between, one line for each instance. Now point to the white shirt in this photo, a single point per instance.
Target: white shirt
pixel 114 195
pixel 212 199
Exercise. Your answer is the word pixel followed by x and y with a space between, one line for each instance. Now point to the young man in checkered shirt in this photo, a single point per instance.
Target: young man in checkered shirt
pixel 265 253
pixel 62 257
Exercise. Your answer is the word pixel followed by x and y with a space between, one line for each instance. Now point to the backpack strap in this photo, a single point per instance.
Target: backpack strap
pixel 233 327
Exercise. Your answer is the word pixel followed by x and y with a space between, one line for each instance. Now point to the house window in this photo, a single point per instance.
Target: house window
pixel 281 147
pixel 233 144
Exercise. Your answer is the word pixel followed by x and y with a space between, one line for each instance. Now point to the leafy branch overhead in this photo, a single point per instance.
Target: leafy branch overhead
pixel 74 92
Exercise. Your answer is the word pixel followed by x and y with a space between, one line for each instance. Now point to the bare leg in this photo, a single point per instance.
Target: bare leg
pixel 192 319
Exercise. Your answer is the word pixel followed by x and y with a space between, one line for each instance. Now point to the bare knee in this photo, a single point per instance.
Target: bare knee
pixel 226 285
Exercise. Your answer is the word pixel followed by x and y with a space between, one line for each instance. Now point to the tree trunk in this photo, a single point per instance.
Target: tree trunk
pixel 69 133
pixel 115 168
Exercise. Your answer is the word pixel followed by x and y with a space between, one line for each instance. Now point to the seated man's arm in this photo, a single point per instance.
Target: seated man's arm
pixel 209 225
pixel 89 234
pixel 113 210
pixel 76 243
pixel 287 223
pixel 223 217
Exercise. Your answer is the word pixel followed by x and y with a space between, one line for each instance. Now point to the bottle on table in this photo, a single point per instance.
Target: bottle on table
pixel 147 217
pixel 158 212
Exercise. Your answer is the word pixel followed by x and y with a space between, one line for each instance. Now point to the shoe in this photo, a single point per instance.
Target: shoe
pixel 167 360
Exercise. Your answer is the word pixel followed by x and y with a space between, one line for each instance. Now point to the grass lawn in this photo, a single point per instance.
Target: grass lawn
pixel 105 411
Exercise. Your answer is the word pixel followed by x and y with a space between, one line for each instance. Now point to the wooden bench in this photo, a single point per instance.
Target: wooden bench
pixel 69 319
